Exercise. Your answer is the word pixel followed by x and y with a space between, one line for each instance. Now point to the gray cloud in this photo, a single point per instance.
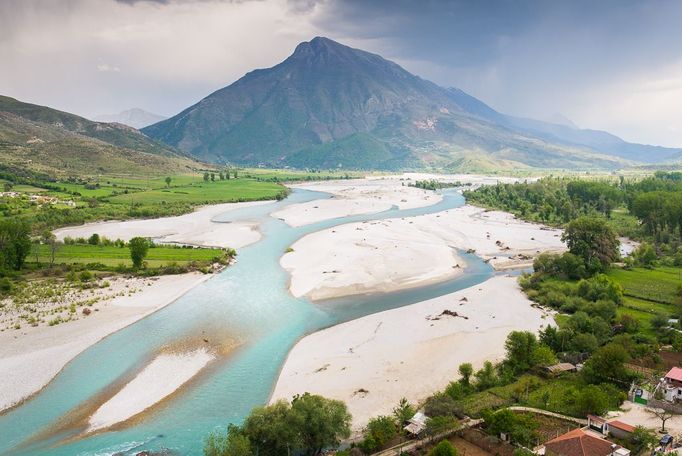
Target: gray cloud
pixel 613 64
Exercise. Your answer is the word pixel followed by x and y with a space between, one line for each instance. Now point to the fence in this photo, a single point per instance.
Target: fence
pixel 486 442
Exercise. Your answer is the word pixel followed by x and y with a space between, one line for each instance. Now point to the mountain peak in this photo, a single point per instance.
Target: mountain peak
pixel 319 45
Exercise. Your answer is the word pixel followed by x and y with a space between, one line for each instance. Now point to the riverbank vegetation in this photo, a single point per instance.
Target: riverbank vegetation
pixel 44 281
pixel 49 203
pixel 434 184
pixel 306 426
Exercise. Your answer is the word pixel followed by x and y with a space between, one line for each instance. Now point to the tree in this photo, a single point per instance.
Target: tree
pixel 444 448
pixel 543 356
pixel 15 243
pixel 7 186
pixel 232 443
pixel 486 376
pixel 227 174
pixel 306 426
pixel 520 346
pixel 235 173
pixel 466 370
pixel 319 422
pixel 206 177
pixel 168 181
pixel 212 177
pixel 591 400
pixel 221 176
pixel 138 250
pixel 663 414
pixel 49 239
pixel 270 431
pixel 441 404
pixel 645 255
pixel 520 428
pixel 403 411
pixel 592 239
pixel 379 432
pixel 642 440
pixel 94 239
pixel 607 364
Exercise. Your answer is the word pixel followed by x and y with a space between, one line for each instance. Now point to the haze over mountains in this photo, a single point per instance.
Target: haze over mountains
pixel 135 117
pixel 326 106
pixel 329 105
pixel 47 140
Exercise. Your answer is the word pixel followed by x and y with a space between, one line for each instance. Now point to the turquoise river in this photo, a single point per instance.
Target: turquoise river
pixel 248 302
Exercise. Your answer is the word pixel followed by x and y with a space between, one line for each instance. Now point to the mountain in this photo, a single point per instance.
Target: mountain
pixel 594 139
pixel 329 105
pixel 135 117
pixel 57 142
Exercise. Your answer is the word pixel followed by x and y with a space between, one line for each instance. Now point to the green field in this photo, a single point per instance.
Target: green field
pixel 658 285
pixel 204 192
pixel 648 292
pixel 106 197
pixel 114 256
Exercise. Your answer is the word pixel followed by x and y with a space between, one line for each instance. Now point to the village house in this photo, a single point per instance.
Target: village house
pixel 582 442
pixel 417 424
pixel 609 428
pixel 671 385
pixel 560 368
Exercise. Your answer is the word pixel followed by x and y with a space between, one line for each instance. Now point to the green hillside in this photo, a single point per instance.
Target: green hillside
pixel 329 105
pixel 56 143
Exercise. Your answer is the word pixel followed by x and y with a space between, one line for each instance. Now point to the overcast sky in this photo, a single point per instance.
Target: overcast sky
pixel 613 65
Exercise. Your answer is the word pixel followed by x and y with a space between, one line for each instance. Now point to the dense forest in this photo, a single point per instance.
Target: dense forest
pixel 647 209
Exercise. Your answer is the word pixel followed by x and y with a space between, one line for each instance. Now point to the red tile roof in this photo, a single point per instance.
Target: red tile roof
pixel 622 426
pixel 674 374
pixel 578 443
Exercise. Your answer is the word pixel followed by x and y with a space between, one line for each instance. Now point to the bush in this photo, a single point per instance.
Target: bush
pixel 591 400
pixel 379 432
pixel 442 404
pixel 5 286
pixel 85 276
pixel 444 448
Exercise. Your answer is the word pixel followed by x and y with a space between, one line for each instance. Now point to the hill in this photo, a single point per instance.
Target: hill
pixel 329 105
pixel 55 142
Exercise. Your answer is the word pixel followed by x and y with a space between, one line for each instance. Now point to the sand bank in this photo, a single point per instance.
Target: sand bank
pixel 368 257
pixel 371 195
pixel 359 196
pixel 160 378
pixel 372 362
pixel 32 356
pixel 196 228
pixel 398 253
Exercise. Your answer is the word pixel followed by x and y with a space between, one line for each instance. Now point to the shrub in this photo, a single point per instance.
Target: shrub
pixel 85 276
pixel 442 404
pixel 444 448
pixel 379 432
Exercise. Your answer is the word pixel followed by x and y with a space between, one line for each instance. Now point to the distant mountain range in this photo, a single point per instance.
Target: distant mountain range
pixel 135 117
pixel 56 142
pixel 329 105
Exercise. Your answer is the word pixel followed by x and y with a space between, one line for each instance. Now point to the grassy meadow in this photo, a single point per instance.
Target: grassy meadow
pixel 157 256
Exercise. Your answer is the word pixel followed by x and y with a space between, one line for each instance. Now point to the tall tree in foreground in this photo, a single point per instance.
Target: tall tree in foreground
pixel 307 426
pixel 321 423
pixel 15 243
pixel 592 239
pixel 138 250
